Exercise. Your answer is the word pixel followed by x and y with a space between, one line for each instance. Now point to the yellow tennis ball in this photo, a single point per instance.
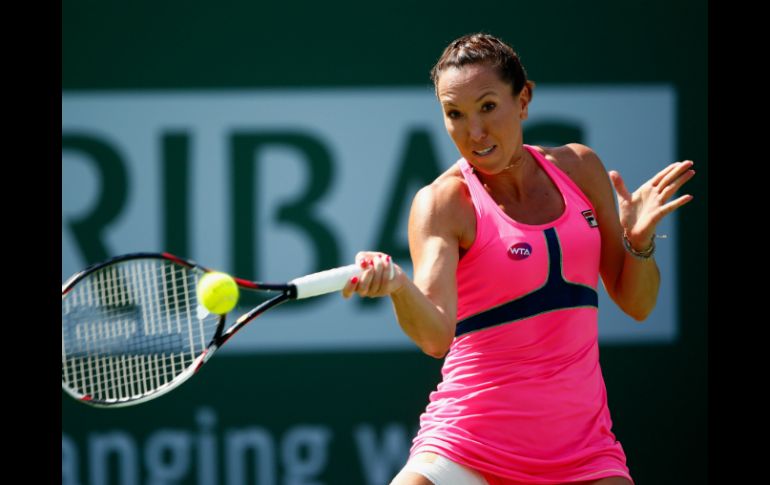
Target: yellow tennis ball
pixel 218 292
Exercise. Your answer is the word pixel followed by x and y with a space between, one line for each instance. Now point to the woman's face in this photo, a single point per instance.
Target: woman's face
pixel 482 116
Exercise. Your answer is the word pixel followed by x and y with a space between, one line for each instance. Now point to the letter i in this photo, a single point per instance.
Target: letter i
pixel 207 447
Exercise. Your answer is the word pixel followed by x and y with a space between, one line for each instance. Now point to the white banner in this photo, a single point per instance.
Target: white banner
pixel 365 133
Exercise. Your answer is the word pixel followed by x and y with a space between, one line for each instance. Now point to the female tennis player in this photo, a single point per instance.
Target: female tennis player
pixel 508 246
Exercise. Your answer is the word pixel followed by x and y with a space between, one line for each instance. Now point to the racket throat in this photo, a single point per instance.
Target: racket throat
pixel 216 341
pixel 207 354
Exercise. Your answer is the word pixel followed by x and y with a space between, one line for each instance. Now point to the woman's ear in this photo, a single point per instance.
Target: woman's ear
pixel 525 96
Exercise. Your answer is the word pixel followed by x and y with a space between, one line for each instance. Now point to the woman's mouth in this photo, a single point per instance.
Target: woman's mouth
pixel 485 152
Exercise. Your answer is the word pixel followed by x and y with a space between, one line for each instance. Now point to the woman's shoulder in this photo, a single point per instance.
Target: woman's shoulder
pixel 450 178
pixel 448 187
pixel 447 202
pixel 570 158
pixel 580 163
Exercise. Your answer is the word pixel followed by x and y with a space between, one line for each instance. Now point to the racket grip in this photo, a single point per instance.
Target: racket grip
pixel 323 282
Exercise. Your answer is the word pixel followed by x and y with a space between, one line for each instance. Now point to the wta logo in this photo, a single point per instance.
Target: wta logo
pixel 519 251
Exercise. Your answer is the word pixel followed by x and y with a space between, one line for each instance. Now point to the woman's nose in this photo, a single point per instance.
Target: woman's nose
pixel 477 130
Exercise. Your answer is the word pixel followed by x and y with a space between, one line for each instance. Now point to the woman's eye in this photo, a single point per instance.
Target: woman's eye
pixel 488 106
pixel 453 114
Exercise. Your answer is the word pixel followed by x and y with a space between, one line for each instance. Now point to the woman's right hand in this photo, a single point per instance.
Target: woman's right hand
pixel 375 280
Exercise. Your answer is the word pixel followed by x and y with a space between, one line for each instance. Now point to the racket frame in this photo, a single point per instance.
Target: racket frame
pixel 287 292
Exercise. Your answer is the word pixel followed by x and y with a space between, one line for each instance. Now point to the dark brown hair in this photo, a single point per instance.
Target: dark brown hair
pixel 487 49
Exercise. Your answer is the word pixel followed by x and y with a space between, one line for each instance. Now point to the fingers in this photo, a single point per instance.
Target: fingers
pixel 672 186
pixel 671 172
pixel 378 270
pixel 378 276
pixel 350 287
pixel 366 277
pixel 674 205
pixel 620 186
pixel 659 176
pixel 674 174
pixel 675 178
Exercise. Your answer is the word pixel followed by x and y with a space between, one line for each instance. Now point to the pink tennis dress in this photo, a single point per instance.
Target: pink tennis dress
pixel 522 399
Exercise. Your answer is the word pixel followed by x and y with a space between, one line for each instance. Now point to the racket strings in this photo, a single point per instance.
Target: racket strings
pixel 121 377
pixel 131 328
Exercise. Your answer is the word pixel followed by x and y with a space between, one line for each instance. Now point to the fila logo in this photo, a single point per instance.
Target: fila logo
pixel 589 215
pixel 519 251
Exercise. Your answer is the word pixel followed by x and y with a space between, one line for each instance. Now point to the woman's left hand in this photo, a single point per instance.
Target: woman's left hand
pixel 641 211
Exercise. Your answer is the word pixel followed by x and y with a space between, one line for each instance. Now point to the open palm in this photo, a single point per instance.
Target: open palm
pixel 641 211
